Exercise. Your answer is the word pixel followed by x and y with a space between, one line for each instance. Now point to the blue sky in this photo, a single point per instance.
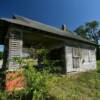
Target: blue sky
pixel 53 12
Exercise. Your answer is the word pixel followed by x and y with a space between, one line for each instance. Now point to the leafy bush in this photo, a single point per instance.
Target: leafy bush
pixel 36 86
pixel 44 62
pixel 36 83
pixel 41 85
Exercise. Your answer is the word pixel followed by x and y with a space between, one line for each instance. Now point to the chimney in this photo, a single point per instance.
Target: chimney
pixel 64 27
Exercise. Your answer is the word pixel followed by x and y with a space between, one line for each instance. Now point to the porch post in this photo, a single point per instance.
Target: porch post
pixel 14 46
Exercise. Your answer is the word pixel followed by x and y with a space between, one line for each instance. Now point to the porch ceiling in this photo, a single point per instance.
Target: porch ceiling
pixel 36 38
pixel 31 36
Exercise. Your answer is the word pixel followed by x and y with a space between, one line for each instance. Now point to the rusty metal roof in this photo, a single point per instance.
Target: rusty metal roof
pixel 19 20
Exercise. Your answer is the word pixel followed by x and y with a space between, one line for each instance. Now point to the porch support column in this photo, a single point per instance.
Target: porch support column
pixel 15 45
pixel 14 76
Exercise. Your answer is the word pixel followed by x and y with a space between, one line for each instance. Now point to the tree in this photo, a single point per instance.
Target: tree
pixel 89 30
pixel 92 30
pixel 81 31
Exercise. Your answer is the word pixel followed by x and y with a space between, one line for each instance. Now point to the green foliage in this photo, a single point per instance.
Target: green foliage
pixel 48 64
pixel 81 31
pixel 36 86
pixel 89 30
pixel 42 85
pixel 92 25
pixel 36 83
pixel 18 60
pixel 82 86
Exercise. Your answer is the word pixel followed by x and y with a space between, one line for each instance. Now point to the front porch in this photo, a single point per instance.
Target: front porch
pixel 19 41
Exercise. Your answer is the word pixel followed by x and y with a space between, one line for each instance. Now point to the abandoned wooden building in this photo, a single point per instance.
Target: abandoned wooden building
pixel 78 54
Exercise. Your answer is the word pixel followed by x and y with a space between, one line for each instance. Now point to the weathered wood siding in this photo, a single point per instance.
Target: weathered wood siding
pixel 79 59
pixel 15 45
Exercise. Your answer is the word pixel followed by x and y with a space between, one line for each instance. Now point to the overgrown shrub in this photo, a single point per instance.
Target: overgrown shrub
pixel 36 83
pixel 44 86
pixel 35 89
pixel 44 62
pixel 36 80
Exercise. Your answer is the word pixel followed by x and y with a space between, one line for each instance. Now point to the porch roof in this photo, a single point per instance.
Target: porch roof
pixel 22 21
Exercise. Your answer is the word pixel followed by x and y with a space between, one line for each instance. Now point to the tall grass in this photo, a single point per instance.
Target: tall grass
pixel 82 86
pixel 45 86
